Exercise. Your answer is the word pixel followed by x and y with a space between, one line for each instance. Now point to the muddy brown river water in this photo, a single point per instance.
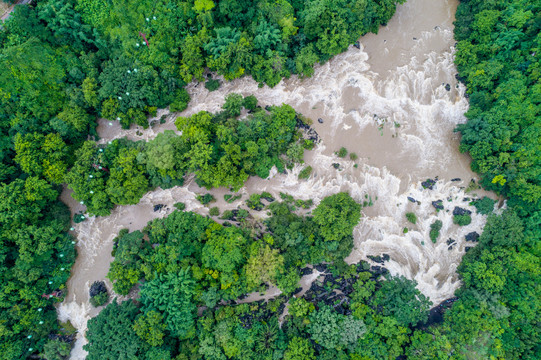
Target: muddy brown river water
pixel 388 102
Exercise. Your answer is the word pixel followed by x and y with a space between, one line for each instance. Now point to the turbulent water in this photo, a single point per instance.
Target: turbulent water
pixel 387 102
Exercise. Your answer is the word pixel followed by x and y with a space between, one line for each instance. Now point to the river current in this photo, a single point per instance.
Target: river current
pixel 394 101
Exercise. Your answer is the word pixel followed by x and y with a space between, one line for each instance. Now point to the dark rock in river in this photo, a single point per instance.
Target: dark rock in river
pixel 468 248
pixel 376 259
pixel 378 270
pixel 306 271
pixel 438 204
pixel 320 120
pixel 321 267
pixel 428 184
pixel 411 199
pixel 158 207
pixel 450 241
pixel 456 179
pixel 357 45
pixel 460 211
pixel 312 135
pixel 473 236
pixel 447 87
pixel 386 257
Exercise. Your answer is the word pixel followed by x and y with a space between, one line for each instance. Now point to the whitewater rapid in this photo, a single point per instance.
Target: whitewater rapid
pixel 394 102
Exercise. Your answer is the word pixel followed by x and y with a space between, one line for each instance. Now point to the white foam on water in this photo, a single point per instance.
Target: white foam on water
pixel 416 116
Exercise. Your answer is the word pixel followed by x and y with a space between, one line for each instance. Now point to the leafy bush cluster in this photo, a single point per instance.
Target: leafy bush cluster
pixel 435 228
pixel 98 294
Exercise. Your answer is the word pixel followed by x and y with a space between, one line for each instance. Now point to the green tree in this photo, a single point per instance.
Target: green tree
pixel 399 298
pixel 171 294
pixel 42 155
pixel 111 335
pixel 56 350
pixel 334 331
pixel 150 327
pixel 336 216
pixel 263 266
pixel 299 349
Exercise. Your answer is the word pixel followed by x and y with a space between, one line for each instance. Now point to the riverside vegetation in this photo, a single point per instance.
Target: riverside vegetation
pixel 64 63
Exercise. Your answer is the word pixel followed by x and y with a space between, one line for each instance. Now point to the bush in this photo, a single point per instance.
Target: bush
pixel 212 84
pixel 353 156
pixel 304 204
pixel 254 202
pixel 305 173
pixel 182 98
pixel 233 104
pixel 308 144
pixel 230 198
pixel 214 211
pixel 342 152
pixel 435 230
pixel 462 220
pixel 98 294
pixel 484 206
pixel 55 349
pixel 250 102
pixel 180 206
pixel 205 199
pixel 412 218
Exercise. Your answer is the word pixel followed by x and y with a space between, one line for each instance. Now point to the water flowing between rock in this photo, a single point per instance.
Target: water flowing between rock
pixel 394 101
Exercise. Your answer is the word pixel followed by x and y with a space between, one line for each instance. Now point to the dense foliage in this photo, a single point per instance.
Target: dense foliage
pixel 497 57
pixel 65 63
pixel 190 262
pixel 220 149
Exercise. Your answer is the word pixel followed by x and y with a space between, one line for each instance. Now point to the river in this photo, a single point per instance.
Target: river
pixel 388 102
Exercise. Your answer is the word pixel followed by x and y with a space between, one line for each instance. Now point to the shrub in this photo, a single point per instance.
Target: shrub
pixel 214 211
pixel 212 84
pixel 405 231
pixel 412 218
pixel 180 205
pixel 485 205
pixel 254 202
pixel 304 204
pixel 435 230
pixel 342 152
pixel 353 156
pixel 205 199
pixel 462 220
pixel 305 173
pixel 182 98
pixel 250 102
pixel 98 294
pixel 230 198
pixel 308 144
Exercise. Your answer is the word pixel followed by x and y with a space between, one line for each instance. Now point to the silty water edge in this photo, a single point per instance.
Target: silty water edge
pixel 387 102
